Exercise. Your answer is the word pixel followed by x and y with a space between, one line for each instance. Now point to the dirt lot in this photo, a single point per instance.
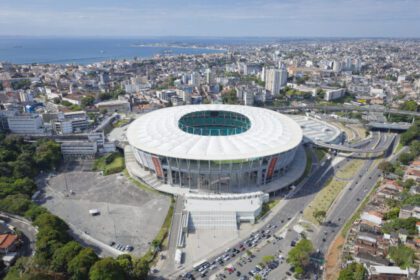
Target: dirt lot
pixel 332 268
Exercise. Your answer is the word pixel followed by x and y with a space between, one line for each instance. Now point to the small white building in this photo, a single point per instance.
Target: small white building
pixel 333 94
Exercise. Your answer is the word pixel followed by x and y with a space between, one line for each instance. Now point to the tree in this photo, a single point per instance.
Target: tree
pixel 105 96
pixel 140 269
pixel 268 259
pixel 354 271
pixel 386 167
pixel 409 105
pixel 230 97
pixel 80 265
pixel 21 84
pixel 415 148
pixel 64 255
pixel 408 224
pixel 402 255
pixel 106 269
pixel 87 101
pixel 407 184
pixel 299 255
pixel 392 214
pixel 47 154
pixel 319 215
pixel 405 158
pixel 126 263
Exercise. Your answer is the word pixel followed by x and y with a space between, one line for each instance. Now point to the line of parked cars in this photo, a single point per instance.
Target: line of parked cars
pixel 127 248
pixel 229 253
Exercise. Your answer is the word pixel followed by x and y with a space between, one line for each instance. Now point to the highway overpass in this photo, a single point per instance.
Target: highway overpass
pixel 346 108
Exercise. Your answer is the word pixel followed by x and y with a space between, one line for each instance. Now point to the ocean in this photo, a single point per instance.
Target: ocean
pixel 27 50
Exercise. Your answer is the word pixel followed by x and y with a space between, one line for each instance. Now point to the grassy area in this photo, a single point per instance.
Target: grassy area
pixel 308 166
pixel 399 147
pixel 324 199
pixel 350 169
pixel 266 207
pixel 121 122
pixel 320 153
pixel 110 163
pixel 161 237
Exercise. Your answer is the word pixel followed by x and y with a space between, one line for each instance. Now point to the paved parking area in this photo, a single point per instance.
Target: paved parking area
pixel 128 215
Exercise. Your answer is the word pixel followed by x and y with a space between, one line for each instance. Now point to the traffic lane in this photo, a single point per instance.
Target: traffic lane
pixel 350 203
pixel 28 231
pixel 293 205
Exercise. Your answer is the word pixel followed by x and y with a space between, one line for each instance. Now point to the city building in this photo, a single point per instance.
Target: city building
pixel 73 149
pixel 215 148
pixel 26 124
pixel 121 106
pixel 275 79
pixel 333 94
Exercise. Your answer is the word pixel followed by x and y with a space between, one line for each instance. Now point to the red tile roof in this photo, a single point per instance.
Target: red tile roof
pixel 7 240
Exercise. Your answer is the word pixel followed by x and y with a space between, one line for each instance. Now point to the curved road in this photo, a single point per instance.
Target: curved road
pixel 24 226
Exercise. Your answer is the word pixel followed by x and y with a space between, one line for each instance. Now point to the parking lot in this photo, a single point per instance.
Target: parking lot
pixel 127 215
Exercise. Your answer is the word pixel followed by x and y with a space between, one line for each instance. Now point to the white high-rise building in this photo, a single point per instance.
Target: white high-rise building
pixel 248 98
pixel 195 79
pixel 263 74
pixel 283 76
pixel 209 76
pixel 336 66
pixel 272 82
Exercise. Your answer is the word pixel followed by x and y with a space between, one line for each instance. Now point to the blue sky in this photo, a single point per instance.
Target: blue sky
pixel 347 18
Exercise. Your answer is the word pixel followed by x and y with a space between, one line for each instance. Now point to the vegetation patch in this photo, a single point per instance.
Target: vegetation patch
pixel 266 207
pixel 320 153
pixel 351 168
pixel 323 200
pixel 110 163
pixel 121 122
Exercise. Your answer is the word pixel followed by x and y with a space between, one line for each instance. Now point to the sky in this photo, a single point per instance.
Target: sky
pixel 220 18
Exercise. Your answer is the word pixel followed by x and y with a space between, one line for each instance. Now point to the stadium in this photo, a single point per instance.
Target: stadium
pixel 215 148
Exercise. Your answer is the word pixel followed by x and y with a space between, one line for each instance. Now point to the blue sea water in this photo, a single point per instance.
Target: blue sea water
pixel 26 50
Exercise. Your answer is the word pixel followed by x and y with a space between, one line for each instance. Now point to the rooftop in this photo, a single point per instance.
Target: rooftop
pixel 268 133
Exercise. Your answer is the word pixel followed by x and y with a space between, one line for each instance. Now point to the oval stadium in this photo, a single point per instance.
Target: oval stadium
pixel 215 148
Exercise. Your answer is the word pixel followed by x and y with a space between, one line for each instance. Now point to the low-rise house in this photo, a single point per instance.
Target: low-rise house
pixel 8 242
pixel 372 217
pixel 402 235
pixel 408 211
pixel 380 272
pixel 371 260
pixel 412 173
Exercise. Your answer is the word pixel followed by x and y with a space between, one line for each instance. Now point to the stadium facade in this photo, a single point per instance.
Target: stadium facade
pixel 215 148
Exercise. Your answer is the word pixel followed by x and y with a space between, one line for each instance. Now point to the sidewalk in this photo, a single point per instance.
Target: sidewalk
pixel 259 225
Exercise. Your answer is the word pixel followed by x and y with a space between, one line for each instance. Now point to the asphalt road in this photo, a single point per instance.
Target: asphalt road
pixel 291 207
pixel 24 226
pixel 296 204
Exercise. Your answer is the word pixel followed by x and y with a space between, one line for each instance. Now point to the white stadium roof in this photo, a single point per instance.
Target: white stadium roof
pixel 158 133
